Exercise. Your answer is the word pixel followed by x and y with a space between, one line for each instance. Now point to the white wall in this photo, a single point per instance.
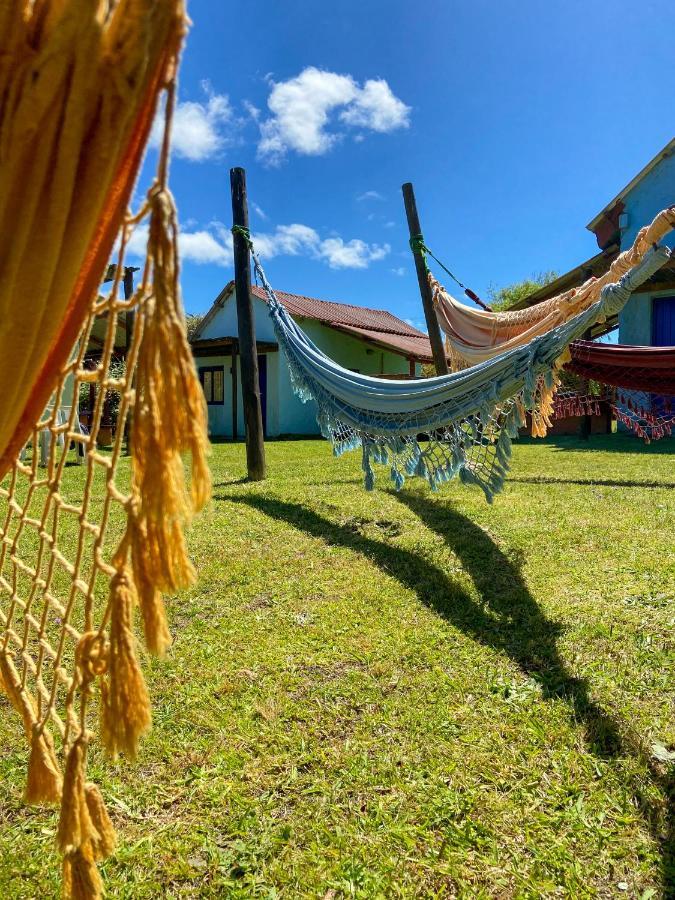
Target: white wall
pixel 286 413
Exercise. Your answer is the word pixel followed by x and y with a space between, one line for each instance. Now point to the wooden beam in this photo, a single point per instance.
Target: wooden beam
pixel 435 339
pixel 250 386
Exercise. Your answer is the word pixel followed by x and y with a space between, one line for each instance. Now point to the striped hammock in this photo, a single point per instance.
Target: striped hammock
pixel 474 335
pixel 458 424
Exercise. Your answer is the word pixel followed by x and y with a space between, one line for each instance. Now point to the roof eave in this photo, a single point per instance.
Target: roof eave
pixel 664 153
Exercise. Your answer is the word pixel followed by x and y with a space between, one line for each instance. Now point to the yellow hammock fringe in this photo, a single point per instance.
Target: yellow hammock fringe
pixel 79 551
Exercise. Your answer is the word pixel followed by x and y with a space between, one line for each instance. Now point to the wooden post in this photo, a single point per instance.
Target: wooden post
pixel 250 387
pixel 129 321
pixel 435 338
pixel 586 420
pixel 129 315
pixel 235 393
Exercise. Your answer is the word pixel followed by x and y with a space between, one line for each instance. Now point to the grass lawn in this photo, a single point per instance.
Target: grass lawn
pixel 402 695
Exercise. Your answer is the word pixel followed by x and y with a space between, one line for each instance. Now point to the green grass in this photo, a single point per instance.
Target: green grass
pixel 401 695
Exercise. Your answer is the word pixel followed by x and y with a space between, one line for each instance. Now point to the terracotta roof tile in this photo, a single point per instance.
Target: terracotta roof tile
pixel 376 325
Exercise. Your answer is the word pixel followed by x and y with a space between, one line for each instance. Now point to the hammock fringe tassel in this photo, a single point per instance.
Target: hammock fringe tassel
pixel 460 424
pixel 125 705
pixel 169 419
pixel 43 781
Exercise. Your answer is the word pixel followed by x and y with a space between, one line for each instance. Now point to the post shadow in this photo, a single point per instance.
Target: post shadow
pixel 529 638
pixel 507 618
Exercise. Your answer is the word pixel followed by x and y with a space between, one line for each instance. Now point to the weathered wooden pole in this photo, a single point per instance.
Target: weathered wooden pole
pixel 435 338
pixel 248 356
pixel 235 392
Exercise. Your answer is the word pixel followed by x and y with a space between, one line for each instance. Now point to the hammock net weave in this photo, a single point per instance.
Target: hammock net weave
pixel 79 86
pixel 459 424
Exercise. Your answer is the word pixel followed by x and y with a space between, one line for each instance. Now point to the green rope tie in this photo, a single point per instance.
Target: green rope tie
pixel 244 233
pixel 418 246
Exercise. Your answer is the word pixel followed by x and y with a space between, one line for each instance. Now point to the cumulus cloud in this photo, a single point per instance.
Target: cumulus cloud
pixel 354 254
pixel 399 270
pixel 198 128
pixel 301 110
pixel 200 246
pixel 213 245
pixel 301 240
pixel 375 107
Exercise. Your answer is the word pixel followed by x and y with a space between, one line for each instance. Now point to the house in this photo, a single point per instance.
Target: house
pixel 371 341
pixel 649 316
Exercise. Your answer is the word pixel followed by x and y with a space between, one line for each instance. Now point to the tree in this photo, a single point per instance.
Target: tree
pixel 503 298
pixel 193 322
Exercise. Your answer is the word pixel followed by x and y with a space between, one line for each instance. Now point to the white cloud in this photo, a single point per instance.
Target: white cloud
pixel 400 271
pixel 302 107
pixel 287 240
pixel 369 195
pixel 201 247
pixel 354 254
pixel 213 245
pixel 197 132
pixel 259 211
pixel 301 240
pixel 376 107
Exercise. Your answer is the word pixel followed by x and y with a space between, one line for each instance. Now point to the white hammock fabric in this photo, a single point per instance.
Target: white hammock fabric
pixel 459 424
pixel 474 336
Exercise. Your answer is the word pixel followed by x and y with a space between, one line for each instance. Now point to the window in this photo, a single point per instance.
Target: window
pixel 212 379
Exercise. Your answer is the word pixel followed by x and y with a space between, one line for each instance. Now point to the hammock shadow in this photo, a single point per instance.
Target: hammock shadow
pixel 593 482
pixel 520 629
pixel 507 619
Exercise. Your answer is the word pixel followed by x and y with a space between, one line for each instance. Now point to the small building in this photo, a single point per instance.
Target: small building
pixel 649 316
pixel 370 341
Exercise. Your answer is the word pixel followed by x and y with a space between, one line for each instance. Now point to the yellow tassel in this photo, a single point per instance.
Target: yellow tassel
pixel 104 841
pixel 125 706
pixel 81 878
pixel 169 419
pixel 75 829
pixel 44 782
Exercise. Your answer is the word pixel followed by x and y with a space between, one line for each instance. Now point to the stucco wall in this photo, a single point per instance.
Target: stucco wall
pixel 655 192
pixel 286 414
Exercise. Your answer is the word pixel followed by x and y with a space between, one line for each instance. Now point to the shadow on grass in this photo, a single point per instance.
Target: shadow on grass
pixel 605 443
pixel 529 638
pixel 506 618
pixel 592 482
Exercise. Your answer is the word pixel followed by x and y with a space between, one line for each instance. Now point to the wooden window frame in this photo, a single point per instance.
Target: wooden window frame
pixel 212 370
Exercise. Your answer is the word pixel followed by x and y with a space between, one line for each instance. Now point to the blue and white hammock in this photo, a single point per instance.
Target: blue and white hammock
pixel 435 428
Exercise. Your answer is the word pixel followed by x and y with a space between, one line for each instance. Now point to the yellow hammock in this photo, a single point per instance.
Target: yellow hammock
pixel 79 87
pixel 474 336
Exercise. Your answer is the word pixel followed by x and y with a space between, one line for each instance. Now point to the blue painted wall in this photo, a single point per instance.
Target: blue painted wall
pixel 286 414
pixel 643 202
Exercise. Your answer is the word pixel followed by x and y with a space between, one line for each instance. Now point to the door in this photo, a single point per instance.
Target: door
pixel 262 380
pixel 663 322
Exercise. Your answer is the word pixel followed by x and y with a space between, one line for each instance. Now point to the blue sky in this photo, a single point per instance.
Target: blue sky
pixel 516 121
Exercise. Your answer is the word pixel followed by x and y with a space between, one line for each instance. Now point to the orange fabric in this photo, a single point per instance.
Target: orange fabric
pixel 44 290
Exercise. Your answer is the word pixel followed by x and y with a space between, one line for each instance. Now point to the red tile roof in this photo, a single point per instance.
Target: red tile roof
pixel 375 325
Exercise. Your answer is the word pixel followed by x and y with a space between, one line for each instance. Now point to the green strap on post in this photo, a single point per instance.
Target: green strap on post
pixel 243 232
pixel 418 246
